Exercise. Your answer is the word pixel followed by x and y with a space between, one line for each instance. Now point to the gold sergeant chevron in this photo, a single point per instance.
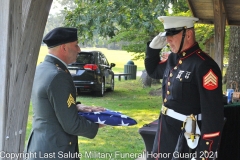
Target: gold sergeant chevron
pixel 210 80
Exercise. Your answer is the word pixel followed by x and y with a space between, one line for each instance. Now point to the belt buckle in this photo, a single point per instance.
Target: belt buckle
pixel 164 110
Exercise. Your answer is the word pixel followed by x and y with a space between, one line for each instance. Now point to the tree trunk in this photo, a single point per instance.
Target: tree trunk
pixel 233 70
pixel 146 80
pixel 22 23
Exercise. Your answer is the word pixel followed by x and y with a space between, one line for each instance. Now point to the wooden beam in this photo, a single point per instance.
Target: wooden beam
pixel 191 8
pixel 219 26
pixel 206 21
pixel 25 22
pixel 4 12
pixel 225 12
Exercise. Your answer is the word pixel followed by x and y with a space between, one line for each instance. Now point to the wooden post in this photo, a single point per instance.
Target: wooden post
pixel 219 24
pixel 4 16
pixel 22 23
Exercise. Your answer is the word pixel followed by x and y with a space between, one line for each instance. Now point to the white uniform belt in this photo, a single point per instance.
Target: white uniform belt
pixel 176 115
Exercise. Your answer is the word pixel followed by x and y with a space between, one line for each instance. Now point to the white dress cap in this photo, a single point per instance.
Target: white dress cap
pixel 177 21
pixel 175 24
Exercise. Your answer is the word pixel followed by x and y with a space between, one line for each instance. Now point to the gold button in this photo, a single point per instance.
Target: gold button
pixel 70 143
pixel 180 61
pixel 199 52
pixel 180 79
pixel 171 75
pixel 165 100
pixel 175 67
pixel 168 92
pixel 169 83
pixel 57 65
pixel 207 143
pixel 184 53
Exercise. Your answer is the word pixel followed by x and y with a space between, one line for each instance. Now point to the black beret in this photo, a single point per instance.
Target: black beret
pixel 60 35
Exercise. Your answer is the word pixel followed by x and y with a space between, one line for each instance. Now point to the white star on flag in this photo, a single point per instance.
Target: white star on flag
pixel 123 124
pixel 100 122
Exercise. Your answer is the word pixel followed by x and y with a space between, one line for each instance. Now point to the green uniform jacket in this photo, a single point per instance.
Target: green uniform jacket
pixel 56 123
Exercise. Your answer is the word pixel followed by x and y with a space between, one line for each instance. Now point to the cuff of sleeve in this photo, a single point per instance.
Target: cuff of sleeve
pixel 150 52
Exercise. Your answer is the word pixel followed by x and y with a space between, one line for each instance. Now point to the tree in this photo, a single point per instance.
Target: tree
pixel 233 71
pixel 132 23
pixel 129 23
pixel 57 14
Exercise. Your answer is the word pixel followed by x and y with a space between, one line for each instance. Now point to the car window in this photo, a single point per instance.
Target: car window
pixel 104 60
pixel 85 58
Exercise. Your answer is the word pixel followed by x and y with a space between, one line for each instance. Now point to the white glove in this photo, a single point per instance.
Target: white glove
pixel 158 42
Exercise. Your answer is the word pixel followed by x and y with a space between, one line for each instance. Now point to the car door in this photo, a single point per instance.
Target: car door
pixel 107 70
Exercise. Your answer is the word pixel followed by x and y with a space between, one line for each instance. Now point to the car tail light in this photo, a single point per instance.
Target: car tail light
pixel 90 67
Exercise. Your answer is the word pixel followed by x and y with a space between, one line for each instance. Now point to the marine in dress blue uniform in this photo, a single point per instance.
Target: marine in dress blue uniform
pixel 56 123
pixel 192 85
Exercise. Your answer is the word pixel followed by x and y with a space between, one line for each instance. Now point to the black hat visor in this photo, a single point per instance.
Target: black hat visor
pixel 172 31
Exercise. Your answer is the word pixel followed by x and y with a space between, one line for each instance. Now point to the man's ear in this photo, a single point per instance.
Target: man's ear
pixel 190 33
pixel 63 47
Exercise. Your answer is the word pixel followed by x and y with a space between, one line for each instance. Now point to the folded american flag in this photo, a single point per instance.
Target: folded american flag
pixel 109 117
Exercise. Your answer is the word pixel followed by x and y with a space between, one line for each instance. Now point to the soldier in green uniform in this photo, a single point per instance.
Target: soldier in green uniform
pixel 56 123
pixel 191 89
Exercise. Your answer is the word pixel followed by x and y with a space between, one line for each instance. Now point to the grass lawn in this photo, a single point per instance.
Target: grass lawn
pixel 120 58
pixel 131 99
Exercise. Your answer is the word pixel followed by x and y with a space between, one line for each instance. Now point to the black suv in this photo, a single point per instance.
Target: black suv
pixel 92 73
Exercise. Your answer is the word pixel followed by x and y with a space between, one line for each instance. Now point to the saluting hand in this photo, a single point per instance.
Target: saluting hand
pixel 158 42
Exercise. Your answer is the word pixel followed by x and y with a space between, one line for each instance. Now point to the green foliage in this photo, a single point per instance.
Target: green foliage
pixel 180 6
pixel 132 22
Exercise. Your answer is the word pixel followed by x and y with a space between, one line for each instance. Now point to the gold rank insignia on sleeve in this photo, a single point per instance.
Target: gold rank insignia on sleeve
pixel 70 100
pixel 210 80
